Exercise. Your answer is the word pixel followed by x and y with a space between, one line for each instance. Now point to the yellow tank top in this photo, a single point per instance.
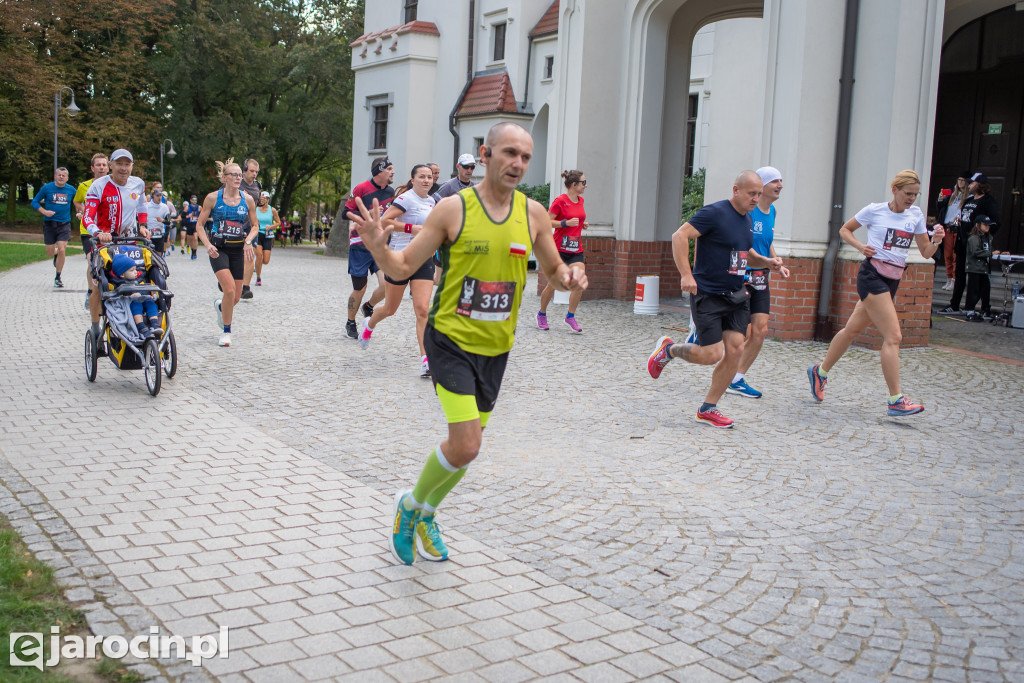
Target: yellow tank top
pixel 477 302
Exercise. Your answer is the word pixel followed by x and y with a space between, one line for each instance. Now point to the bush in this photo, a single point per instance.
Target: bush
pixel 540 193
pixel 693 194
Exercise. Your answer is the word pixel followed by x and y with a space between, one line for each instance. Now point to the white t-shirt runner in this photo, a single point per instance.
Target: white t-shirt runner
pixel 414 210
pixel 891 234
pixel 156 214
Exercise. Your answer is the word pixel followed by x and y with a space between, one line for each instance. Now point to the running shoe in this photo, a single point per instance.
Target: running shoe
pixel 974 317
pixel 220 318
pixel 571 322
pixel 714 418
pixel 403 531
pixel 351 330
pixel 743 389
pixel 949 309
pixel 660 358
pixel 429 544
pixel 817 383
pixel 948 286
pixel 364 337
pixel 259 282
pixel 424 367
pixel 225 339
pixel 904 406
pixel 367 309
pixel 246 292
pixel 194 257
pixel 692 337
pixel 542 321
pixel 57 283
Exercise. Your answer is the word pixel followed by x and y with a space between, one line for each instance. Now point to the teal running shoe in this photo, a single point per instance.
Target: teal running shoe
pixel 429 544
pixel 401 540
pixel 741 388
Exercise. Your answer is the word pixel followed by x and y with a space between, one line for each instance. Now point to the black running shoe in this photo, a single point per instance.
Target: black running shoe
pixel 367 309
pixel 350 329
pixel 246 292
pixel 57 283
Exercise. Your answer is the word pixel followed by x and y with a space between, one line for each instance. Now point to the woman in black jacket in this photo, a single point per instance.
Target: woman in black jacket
pixel 979 202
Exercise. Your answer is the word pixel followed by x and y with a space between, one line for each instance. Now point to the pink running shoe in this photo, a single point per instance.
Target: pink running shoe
pixel 571 322
pixel 660 358
pixel 713 417
pixel 542 321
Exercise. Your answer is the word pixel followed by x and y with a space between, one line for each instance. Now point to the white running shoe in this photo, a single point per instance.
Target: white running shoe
pixel 225 339
pixel 424 367
pixel 220 318
pixel 364 339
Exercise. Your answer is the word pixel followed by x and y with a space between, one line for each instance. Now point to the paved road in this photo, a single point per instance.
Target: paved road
pixel 602 535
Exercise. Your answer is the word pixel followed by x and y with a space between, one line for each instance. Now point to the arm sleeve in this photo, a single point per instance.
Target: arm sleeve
pixel 864 216
pixel 141 209
pixel 80 194
pixel 704 219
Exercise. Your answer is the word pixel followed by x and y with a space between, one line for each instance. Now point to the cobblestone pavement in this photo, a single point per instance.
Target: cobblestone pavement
pixel 602 534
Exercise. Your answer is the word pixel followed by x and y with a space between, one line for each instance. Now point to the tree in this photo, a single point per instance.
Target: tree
pixel 269 80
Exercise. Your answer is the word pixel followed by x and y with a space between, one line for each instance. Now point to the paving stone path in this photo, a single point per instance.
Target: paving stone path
pixel 602 535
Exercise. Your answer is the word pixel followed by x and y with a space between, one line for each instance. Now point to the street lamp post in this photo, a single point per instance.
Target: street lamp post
pixel 72 111
pixel 170 154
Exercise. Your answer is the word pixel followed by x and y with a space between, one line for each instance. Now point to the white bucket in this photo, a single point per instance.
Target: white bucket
pixel 646 299
pixel 561 297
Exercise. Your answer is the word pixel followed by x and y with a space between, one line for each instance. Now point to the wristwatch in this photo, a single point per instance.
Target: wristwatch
pixel 248 243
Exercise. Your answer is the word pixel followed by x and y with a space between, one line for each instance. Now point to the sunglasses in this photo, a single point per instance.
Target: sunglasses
pixel 582 182
pixel 470 167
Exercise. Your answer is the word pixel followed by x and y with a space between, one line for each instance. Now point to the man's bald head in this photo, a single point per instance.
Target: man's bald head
pixel 746 191
pixel 499 130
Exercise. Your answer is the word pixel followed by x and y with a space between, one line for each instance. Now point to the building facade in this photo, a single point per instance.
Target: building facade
pixel 638 93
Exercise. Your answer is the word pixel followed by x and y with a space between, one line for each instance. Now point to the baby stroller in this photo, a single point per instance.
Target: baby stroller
pixel 120 340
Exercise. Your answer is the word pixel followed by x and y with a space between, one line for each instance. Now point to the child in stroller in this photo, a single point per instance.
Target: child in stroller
pixel 123 270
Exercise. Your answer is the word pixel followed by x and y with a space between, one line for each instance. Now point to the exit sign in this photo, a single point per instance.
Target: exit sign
pixel 995 128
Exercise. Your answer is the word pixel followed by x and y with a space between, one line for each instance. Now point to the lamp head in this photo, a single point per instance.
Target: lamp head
pixel 73 108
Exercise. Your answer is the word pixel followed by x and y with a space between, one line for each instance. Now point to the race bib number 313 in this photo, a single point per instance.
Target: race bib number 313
pixel 481 300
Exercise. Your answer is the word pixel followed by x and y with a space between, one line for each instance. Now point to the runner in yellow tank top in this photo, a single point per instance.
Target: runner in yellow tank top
pixel 485 235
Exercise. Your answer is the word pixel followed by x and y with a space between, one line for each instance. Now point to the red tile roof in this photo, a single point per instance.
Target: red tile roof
pixel 412 27
pixel 548 24
pixel 487 94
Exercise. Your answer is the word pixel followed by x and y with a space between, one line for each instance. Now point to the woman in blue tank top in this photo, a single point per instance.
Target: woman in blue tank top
pixel 268 219
pixel 229 243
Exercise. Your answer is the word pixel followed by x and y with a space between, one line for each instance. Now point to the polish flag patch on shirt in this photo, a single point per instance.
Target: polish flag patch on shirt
pixel 516 249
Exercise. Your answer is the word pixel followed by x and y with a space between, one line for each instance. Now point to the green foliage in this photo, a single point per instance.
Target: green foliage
pixel 540 193
pixel 693 194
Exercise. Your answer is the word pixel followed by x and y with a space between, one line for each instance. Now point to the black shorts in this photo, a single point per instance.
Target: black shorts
pixel 424 272
pixel 760 299
pixel 158 244
pixel 461 372
pixel 54 232
pixel 88 244
pixel 870 282
pixel 713 314
pixel 229 258
pixel 360 261
pixel 266 241
pixel 569 258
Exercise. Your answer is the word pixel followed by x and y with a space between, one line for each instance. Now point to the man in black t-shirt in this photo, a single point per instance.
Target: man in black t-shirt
pixel 719 302
pixel 979 202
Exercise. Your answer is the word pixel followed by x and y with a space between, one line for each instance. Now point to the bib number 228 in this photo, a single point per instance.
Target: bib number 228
pixel 482 300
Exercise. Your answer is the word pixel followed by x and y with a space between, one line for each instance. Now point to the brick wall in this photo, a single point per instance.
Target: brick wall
pixel 613 266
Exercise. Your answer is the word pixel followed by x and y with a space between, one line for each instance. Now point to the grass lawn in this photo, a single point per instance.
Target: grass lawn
pixel 30 602
pixel 14 254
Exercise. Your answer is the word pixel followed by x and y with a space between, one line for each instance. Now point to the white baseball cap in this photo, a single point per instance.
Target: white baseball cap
pixel 467 160
pixel 265 194
pixel 122 153
pixel 768 174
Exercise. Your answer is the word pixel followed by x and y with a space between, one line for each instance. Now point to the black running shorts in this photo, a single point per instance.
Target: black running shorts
pixel 230 259
pixel 870 282
pixel 461 372
pixel 715 313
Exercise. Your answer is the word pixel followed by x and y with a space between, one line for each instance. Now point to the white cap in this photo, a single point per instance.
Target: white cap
pixel 265 194
pixel 122 153
pixel 768 174
pixel 466 160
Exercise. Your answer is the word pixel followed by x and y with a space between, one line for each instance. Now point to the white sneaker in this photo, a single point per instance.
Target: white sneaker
pixel 948 287
pixel 364 341
pixel 225 339
pixel 220 318
pixel 424 367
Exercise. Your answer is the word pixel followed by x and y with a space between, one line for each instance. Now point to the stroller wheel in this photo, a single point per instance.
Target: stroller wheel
pixel 170 356
pixel 90 356
pixel 151 365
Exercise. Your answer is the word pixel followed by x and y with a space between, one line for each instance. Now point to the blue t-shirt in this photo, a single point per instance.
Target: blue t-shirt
pixel 58 199
pixel 764 230
pixel 230 221
pixel 726 236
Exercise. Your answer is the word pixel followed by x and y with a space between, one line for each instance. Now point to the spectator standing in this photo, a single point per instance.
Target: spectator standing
pixel 979 201
pixel 979 251
pixel 947 212
pixel 54 201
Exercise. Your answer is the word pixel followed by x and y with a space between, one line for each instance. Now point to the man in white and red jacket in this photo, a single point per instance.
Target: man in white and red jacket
pixel 115 205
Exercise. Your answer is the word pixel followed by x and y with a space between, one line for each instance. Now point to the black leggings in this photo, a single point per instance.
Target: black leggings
pixel 978 287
